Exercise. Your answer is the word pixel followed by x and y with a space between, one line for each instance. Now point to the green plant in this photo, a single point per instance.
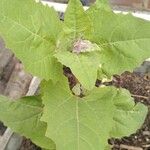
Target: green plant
pixel 94 44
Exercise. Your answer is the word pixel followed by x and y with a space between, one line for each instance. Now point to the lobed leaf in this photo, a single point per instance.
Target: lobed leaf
pixel 23 116
pixel 124 40
pixel 77 23
pixel 75 124
pixel 31 30
pixel 87 123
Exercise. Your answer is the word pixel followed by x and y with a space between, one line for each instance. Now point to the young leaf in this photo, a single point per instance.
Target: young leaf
pixel 23 116
pixel 84 66
pixel 77 23
pixel 87 123
pixel 30 29
pixel 124 39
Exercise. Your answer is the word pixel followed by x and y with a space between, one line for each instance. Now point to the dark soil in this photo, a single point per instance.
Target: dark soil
pixel 137 84
pixel 71 78
pixel 28 145
pixel 2 129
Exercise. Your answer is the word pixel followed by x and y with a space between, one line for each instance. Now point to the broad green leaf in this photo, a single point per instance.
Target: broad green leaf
pixel 31 30
pixel 124 39
pixel 76 23
pixel 56 70
pixel 128 116
pixel 23 116
pixel 84 66
pixel 76 124
pixel 86 123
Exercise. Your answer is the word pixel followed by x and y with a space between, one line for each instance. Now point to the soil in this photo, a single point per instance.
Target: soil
pixel 28 145
pixel 2 129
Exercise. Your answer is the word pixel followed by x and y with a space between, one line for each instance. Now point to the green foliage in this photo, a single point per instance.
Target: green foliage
pixel 23 116
pixel 124 40
pixel 31 31
pixel 127 116
pixel 86 123
pixel 80 66
pixel 35 35
pixel 77 23
pixel 96 43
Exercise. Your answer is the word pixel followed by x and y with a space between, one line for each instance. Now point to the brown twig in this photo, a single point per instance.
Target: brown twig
pixel 122 146
pixel 146 146
pixel 127 147
pixel 140 96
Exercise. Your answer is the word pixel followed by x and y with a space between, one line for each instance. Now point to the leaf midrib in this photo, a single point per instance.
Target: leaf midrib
pixel 83 70
pixel 25 28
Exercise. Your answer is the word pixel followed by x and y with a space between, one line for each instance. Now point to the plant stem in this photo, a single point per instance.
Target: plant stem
pixel 140 96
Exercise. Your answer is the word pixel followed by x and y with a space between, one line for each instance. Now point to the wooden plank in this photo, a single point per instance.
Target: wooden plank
pixel 129 3
pixel 5 56
pixel 5 138
pixel 18 83
pixel 9 137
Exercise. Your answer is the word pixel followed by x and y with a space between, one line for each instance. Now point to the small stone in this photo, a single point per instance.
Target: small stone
pixel 147 139
pixel 135 137
pixel 146 133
